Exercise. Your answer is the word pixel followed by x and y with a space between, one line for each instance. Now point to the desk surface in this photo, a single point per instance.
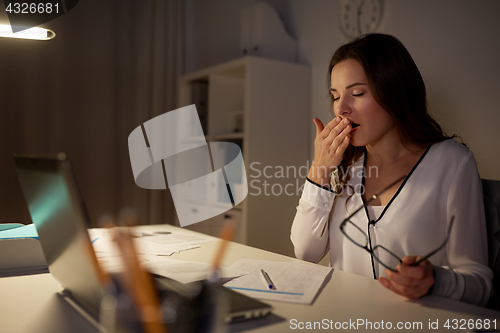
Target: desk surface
pixel 31 303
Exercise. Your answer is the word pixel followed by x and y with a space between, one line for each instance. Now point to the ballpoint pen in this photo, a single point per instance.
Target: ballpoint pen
pixel 268 280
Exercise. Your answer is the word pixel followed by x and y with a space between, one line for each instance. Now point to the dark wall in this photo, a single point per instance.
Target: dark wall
pixel 83 93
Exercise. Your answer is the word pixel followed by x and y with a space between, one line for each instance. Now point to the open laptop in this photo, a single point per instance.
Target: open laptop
pixel 58 212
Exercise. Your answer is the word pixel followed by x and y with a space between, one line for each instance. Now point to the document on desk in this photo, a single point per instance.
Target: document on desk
pixel 187 271
pixel 294 282
pixel 160 236
pixel 145 243
pixel 179 270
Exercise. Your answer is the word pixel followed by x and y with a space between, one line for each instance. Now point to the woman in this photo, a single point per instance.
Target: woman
pixel 382 131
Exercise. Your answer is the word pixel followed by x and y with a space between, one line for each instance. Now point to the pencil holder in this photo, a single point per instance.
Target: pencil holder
pixel 117 312
pixel 211 308
pixel 198 307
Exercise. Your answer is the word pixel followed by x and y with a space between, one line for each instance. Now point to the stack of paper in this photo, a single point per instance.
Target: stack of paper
pixel 20 249
pixel 187 271
pixel 182 271
pixel 152 242
pixel 152 246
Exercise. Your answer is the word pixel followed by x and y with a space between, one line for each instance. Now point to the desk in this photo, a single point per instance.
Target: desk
pixel 31 304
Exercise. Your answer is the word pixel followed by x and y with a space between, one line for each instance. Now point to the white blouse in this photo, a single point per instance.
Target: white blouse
pixel 445 183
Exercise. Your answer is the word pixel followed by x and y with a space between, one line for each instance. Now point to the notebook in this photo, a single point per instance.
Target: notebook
pixel 58 212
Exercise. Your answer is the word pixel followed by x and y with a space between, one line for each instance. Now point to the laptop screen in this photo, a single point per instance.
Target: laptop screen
pixel 57 210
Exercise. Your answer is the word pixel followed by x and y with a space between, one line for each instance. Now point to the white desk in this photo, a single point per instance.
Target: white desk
pixel 31 304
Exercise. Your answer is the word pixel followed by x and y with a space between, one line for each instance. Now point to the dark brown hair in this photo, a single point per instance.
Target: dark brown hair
pixel 396 85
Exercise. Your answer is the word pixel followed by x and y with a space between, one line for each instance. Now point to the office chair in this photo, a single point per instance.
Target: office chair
pixel 491 192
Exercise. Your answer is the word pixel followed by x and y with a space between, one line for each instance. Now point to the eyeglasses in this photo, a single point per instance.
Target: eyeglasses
pixel 384 256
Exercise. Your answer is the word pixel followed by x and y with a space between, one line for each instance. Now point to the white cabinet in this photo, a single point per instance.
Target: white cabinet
pixel 262 105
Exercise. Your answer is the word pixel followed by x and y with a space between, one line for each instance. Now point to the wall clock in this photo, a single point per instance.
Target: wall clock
pixel 358 17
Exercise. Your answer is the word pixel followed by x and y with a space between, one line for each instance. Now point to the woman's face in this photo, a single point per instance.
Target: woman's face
pixel 353 100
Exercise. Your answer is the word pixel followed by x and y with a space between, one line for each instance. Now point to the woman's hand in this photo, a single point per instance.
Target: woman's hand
pixel 410 281
pixel 329 146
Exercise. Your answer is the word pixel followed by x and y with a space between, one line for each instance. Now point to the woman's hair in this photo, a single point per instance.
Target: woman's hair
pixel 396 85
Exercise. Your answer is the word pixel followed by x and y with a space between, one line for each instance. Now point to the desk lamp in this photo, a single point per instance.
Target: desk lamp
pixel 35 33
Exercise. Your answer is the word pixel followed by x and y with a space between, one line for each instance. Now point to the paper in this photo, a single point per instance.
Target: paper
pixel 102 243
pixel 294 282
pixel 182 271
pixel 166 237
pixel 113 263
pixel 151 246
pixel 23 231
pixel 187 271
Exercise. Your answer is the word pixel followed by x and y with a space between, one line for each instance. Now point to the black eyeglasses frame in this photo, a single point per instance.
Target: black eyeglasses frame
pixel 368 241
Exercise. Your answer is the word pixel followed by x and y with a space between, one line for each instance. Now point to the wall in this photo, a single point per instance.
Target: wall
pixel 456 45
pixel 111 67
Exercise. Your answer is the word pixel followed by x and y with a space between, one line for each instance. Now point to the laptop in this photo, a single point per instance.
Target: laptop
pixel 59 214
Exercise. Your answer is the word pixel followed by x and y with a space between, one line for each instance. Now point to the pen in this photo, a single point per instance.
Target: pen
pixel 268 280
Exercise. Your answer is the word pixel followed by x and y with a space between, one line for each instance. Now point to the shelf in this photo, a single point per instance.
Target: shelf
pixel 227 206
pixel 229 136
pixel 251 95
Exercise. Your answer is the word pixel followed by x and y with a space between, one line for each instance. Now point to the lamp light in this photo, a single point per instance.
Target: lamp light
pixel 35 33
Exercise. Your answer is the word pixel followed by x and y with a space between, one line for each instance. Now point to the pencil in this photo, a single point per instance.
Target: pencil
pixel 140 285
pixel 225 236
